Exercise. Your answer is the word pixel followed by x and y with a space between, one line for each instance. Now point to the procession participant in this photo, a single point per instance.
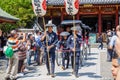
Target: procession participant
pixel 50 38
pixel 64 48
pixel 77 43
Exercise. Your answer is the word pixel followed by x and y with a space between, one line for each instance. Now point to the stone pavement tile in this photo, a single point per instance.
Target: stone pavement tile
pixel 105 66
pixel 89 71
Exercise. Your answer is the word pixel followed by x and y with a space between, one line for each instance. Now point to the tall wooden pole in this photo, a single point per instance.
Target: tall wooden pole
pixel 74 44
pixel 46 44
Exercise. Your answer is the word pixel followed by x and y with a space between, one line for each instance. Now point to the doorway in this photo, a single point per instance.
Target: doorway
pixel 91 21
pixel 108 22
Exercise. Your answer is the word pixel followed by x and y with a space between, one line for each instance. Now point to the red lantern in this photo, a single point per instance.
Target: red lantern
pixel 39 7
pixel 71 6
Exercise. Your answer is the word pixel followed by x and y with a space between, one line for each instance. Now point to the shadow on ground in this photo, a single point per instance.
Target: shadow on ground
pixel 90 74
pixel 63 74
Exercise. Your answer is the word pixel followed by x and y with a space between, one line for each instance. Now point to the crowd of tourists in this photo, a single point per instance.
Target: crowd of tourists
pixel 42 46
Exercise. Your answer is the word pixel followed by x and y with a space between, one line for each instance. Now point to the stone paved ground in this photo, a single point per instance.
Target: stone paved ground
pixel 95 68
pixel 2 68
pixel 105 66
pixel 90 71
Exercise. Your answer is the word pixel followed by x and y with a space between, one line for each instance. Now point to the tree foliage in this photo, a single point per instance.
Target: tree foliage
pixel 21 9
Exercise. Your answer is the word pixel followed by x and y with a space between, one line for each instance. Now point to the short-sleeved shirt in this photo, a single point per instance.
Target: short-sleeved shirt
pixel 113 40
pixel 13 43
pixel 112 43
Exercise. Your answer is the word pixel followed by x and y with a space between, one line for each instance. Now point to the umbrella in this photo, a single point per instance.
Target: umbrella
pixel 77 27
pixel 70 22
pixel 64 33
pixel 85 27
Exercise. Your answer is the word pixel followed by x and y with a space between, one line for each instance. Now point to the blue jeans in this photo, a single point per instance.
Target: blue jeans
pixel 109 54
pixel 101 45
pixel 29 55
pixel 37 56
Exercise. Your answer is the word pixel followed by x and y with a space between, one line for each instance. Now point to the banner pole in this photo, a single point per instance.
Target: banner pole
pixel 46 44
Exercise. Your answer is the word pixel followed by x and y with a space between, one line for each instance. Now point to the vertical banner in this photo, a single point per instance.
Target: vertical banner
pixel 71 6
pixel 39 7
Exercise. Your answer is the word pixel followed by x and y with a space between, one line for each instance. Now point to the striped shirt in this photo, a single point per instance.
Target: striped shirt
pixel 13 43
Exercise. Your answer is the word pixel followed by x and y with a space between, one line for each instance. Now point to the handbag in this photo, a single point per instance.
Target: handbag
pixel 8 51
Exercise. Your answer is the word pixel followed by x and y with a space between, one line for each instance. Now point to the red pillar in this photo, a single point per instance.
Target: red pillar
pixel 62 14
pixel 117 19
pixel 99 21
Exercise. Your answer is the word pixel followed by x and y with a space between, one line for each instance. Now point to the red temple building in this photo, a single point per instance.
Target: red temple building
pixel 100 15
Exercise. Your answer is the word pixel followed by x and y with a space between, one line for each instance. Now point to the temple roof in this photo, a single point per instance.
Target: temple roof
pixel 61 2
pixel 6 17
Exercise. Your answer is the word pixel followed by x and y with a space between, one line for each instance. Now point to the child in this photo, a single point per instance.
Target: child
pixel 63 46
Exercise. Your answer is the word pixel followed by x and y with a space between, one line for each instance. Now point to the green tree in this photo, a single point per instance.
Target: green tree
pixel 21 9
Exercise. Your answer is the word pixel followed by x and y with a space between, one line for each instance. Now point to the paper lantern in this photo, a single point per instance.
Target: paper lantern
pixel 39 7
pixel 71 6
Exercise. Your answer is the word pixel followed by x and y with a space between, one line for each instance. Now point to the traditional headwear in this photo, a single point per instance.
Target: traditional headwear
pixel 64 33
pixel 50 24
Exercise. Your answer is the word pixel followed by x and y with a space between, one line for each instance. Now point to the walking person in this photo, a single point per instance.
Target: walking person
pixel 50 48
pixel 63 46
pixel 109 51
pixel 78 40
pixel 12 68
pixel 113 32
pixel 100 40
